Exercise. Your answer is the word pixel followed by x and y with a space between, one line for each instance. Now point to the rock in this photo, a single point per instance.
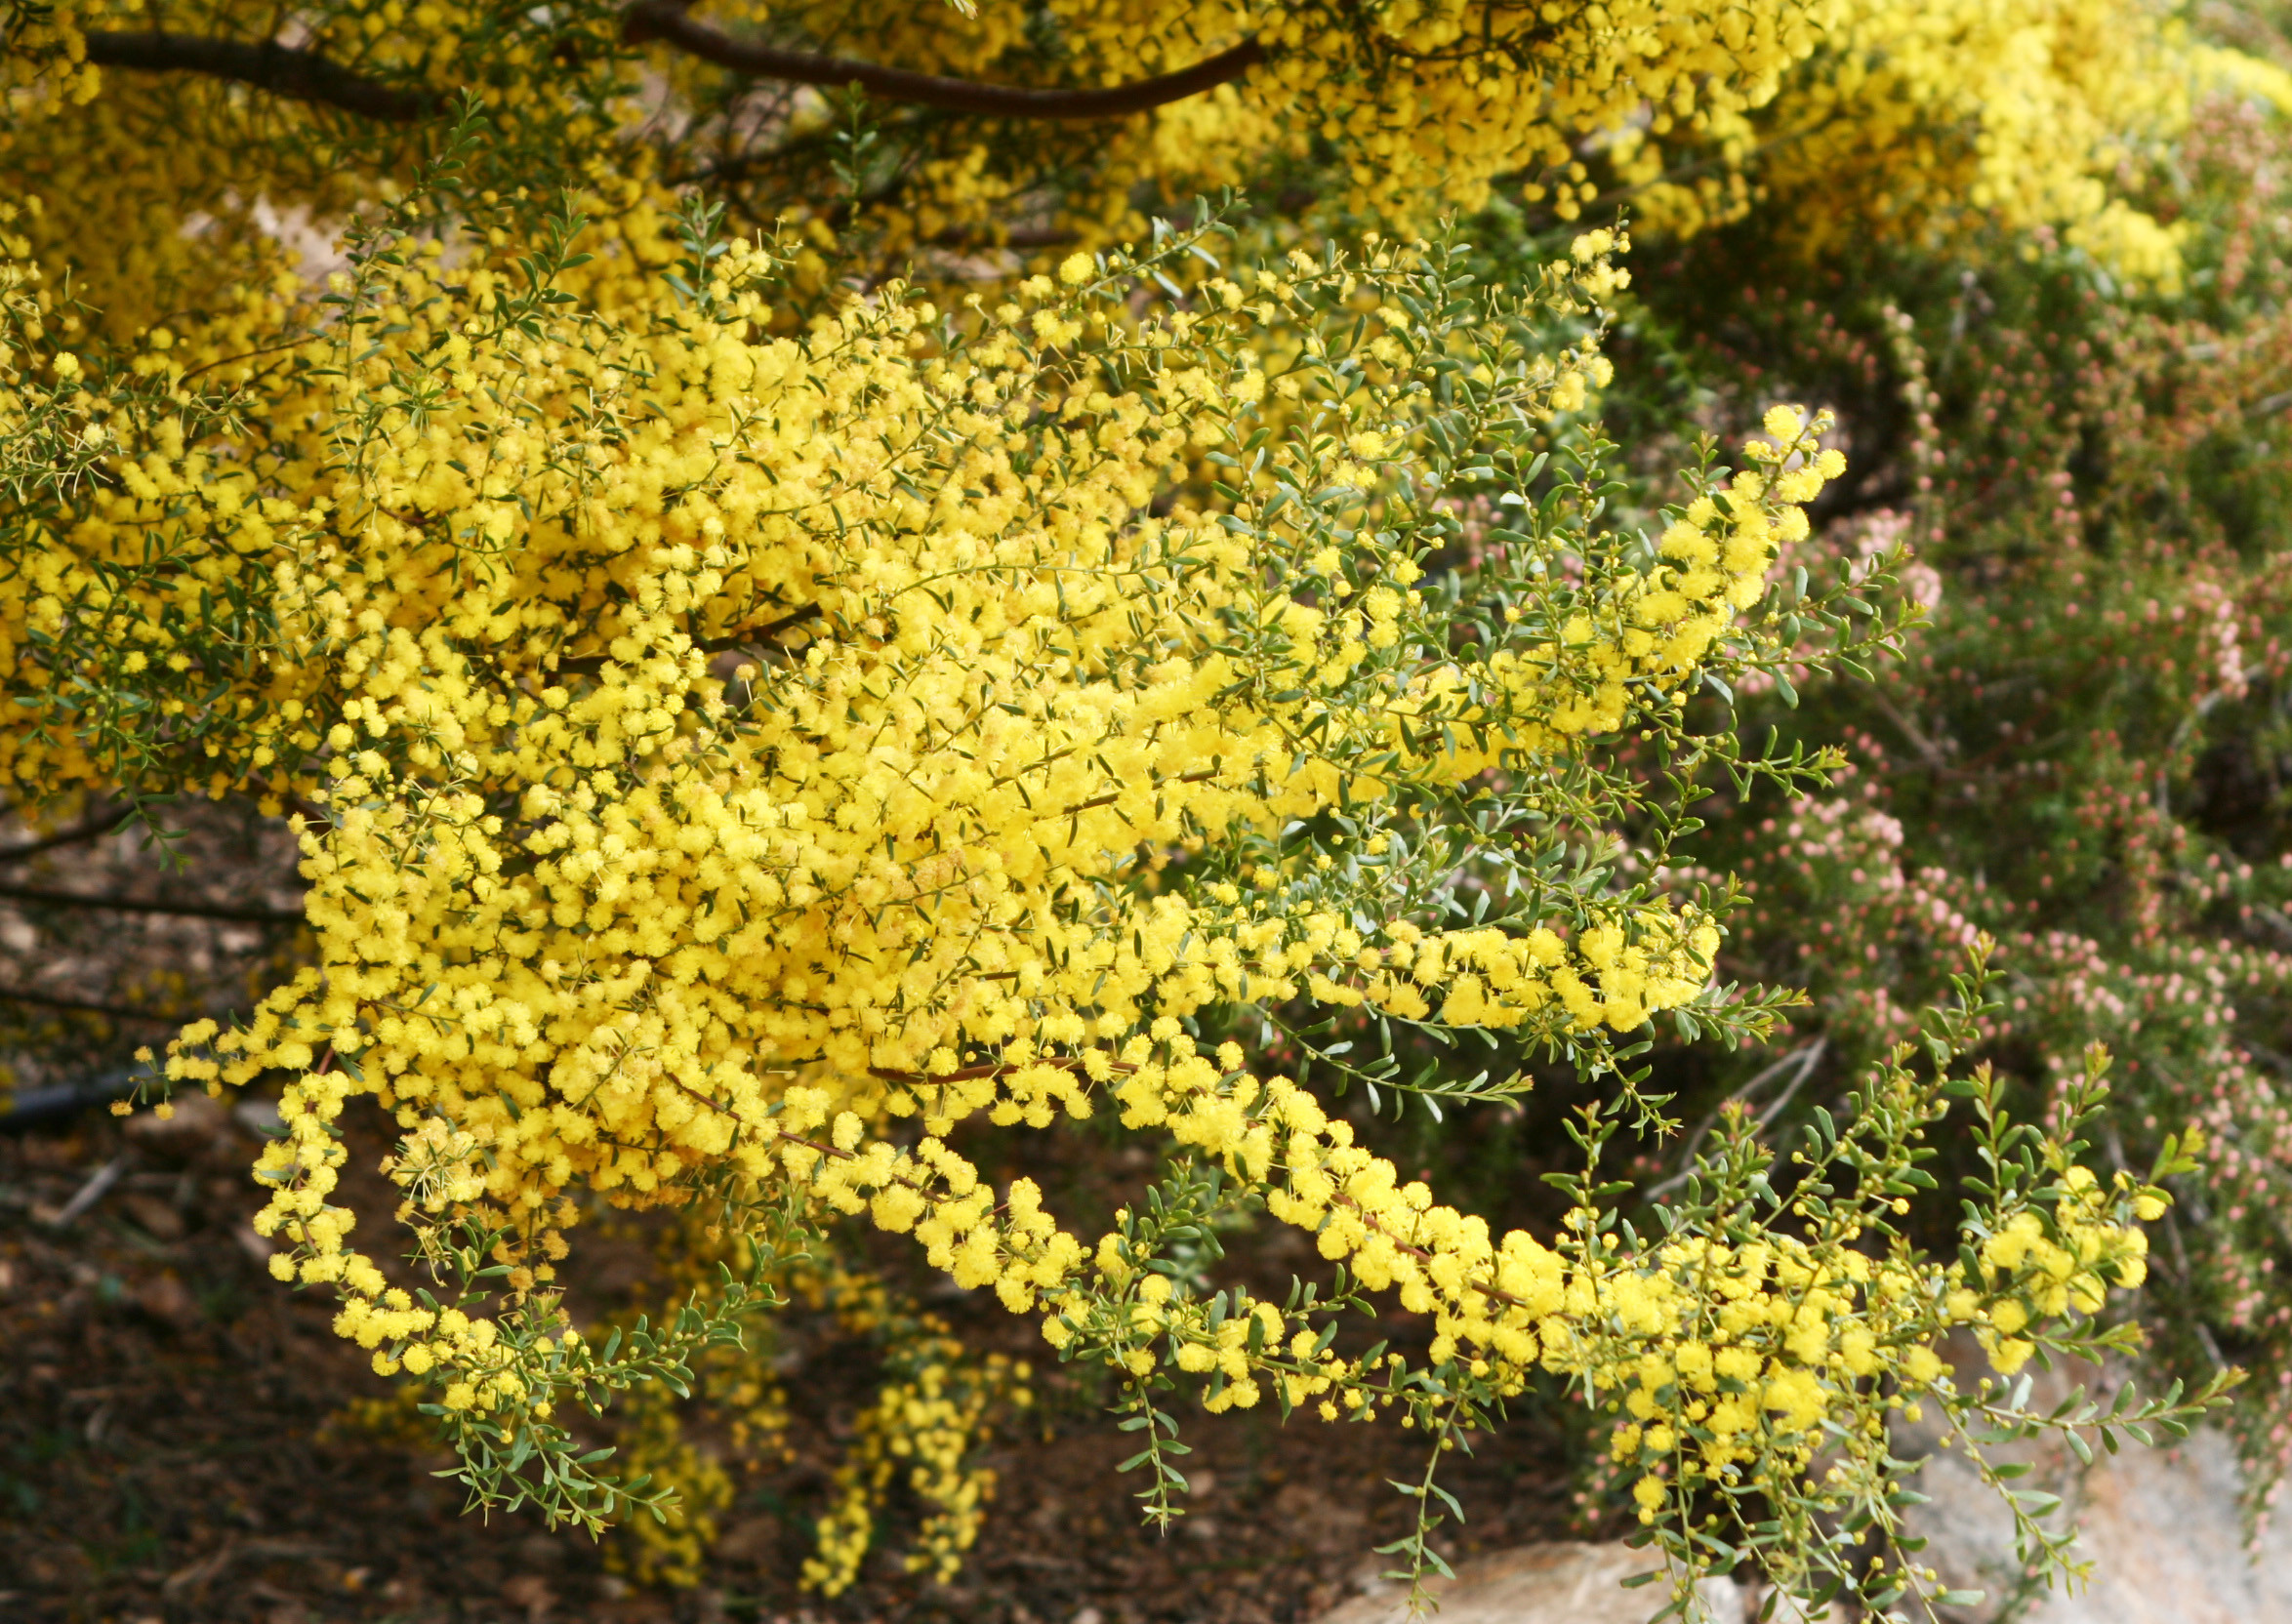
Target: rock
pixel 1543 1584
pixel 260 1117
pixel 753 1538
pixel 194 1119
pixel 531 1593
pixel 2161 1527
pixel 166 1299
pixel 156 1218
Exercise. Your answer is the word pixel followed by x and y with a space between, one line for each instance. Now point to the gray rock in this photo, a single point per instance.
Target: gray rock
pixel 2161 1527
pixel 1543 1584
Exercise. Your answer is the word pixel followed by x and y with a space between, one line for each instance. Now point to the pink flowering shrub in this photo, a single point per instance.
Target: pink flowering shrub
pixel 2087 751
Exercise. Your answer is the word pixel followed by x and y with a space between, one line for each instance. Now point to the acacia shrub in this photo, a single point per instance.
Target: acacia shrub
pixel 746 730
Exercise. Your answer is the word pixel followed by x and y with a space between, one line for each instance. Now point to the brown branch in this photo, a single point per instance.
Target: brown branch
pixel 244 355
pixel 1928 750
pixel 837 1153
pixel 919 1080
pixel 1110 800
pixel 770 629
pixel 91 829
pixel 83 1006
pixel 671 21
pixel 268 65
pixel 589 664
pixel 126 905
pixel 306 76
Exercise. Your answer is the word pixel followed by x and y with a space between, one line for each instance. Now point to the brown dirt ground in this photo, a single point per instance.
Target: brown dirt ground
pixel 171 1448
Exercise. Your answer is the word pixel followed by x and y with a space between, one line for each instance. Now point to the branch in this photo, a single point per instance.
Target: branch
pixel 1928 750
pixel 125 904
pixel 1203 776
pixel 304 76
pixel 1805 1058
pixel 297 75
pixel 924 1080
pixel 590 664
pixel 840 1153
pixel 669 20
pixel 84 1007
pixel 92 828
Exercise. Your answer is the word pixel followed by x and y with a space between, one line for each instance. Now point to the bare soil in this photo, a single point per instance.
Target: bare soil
pixel 173 1446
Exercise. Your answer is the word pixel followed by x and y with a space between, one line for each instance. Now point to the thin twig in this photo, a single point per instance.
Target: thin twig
pixel 90 1192
pixel 84 1007
pixel 1928 750
pixel 208 1567
pixel 88 829
pixel 589 664
pixel 127 905
pixel 1110 798
pixel 1805 1058
pixel 1371 1221
pixel 924 1080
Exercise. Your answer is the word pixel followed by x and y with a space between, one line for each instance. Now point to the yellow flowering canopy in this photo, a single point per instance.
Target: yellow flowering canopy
pixel 1926 120
pixel 746 728
pixel 966 126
